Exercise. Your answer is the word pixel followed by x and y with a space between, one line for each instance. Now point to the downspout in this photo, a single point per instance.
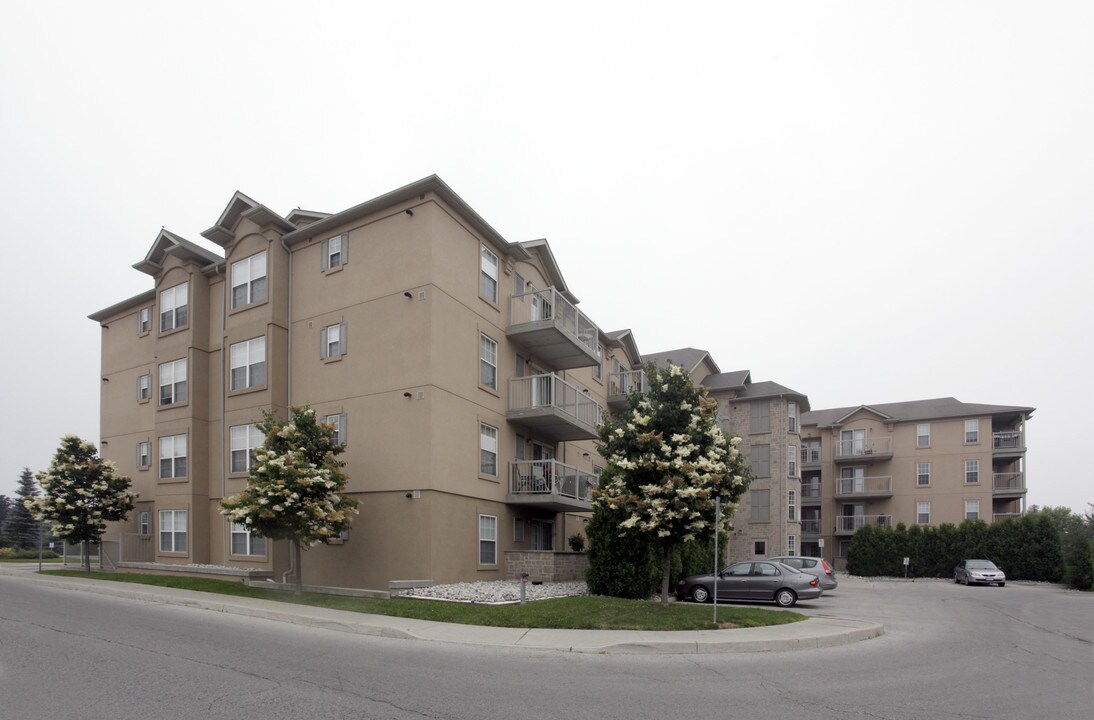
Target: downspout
pixel 223 383
pixel 288 375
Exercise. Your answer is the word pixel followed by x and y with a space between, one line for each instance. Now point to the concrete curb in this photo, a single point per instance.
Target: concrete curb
pixel 816 632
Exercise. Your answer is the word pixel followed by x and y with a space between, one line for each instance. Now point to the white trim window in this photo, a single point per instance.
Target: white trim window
pixel 972 472
pixel 335 252
pixel 792 505
pixel 173 382
pixel 972 431
pixel 488 362
pixel 172 457
pixel 488 449
pixel 923 512
pixel 792 416
pixel 144 522
pixel 144 321
pixel 488 540
pixel 598 369
pixel 173 531
pixel 339 423
pixel 972 509
pixel 248 360
pixel 923 474
pixel 791 545
pixel 488 274
pixel 791 460
pixel 144 455
pixel 923 435
pixel 243 441
pixel 173 307
pixel 144 387
pixel 245 542
pixel 249 280
pixel 332 341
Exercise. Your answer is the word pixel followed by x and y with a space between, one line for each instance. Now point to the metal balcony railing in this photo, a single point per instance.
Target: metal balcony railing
pixel 879 485
pixel 1007 440
pixel 846 524
pixel 811 454
pixel 550 391
pixel 549 304
pixel 550 479
pixel 1008 481
pixel 864 447
pixel 811 490
pixel 627 382
pixel 1004 516
pixel 811 526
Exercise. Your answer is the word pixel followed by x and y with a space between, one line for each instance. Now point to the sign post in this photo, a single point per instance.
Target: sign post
pixel 717 524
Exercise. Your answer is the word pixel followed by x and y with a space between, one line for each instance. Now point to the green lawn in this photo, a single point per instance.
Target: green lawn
pixel 578 613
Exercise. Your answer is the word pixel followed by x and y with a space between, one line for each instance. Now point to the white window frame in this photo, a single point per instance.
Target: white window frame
pixel 144 455
pixel 171 371
pixel 174 307
pixel 173 448
pixel 488 449
pixel 250 357
pixel 792 505
pixel 791 545
pixel 144 387
pixel 972 509
pixel 251 275
pixel 488 361
pixel 974 433
pixel 792 461
pixel 923 512
pixel 922 470
pixel 335 253
pixel 488 273
pixel 338 420
pixel 172 538
pixel 972 469
pixel 333 349
pixel 144 320
pixel 488 540
pixel 792 416
pixel 253 546
pixel 244 439
pixel 922 435
pixel 144 522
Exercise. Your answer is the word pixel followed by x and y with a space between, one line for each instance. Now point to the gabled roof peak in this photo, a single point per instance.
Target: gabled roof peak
pixel 241 206
pixel 168 243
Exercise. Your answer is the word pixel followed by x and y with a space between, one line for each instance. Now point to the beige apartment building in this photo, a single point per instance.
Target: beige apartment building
pixel 924 462
pixel 456 366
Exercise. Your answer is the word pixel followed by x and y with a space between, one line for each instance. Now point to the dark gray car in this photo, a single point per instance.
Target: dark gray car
pixel 978 571
pixel 813 566
pixel 759 581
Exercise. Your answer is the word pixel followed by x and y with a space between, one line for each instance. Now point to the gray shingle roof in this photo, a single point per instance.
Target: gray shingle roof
pixel 688 358
pixel 729 380
pixel 912 410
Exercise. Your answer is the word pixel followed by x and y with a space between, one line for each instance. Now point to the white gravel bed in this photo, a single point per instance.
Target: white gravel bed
pixel 502 591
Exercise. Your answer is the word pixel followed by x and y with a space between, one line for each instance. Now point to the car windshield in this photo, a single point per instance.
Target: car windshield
pixel 982 565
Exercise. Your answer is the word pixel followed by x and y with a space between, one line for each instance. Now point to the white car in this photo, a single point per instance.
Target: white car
pixel 978 571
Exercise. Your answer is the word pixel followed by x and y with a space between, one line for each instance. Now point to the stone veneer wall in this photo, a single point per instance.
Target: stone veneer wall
pixel 546 565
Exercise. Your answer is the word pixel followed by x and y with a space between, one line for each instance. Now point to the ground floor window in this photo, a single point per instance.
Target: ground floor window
pixel 173 531
pixel 488 540
pixel 759 548
pixel 844 546
pixel 244 542
pixel 811 549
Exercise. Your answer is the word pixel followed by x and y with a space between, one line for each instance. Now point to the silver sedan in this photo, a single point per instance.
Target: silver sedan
pixel 760 581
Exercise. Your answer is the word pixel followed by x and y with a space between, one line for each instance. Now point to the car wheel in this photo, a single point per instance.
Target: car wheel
pixel 966 581
pixel 700 594
pixel 785 598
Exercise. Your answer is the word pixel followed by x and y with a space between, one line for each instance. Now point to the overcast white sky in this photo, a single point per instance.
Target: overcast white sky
pixel 867 202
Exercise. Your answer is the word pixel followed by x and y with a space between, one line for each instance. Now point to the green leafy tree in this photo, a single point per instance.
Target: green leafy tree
pixel 667 463
pixel 294 486
pixel 19 527
pixel 5 508
pixel 81 493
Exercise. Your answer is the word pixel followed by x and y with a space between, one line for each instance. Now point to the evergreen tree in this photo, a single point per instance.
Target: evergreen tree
pixel 20 528
pixel 5 506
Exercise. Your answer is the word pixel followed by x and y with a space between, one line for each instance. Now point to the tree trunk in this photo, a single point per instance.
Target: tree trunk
pixel 666 569
pixel 296 563
pixel 87 555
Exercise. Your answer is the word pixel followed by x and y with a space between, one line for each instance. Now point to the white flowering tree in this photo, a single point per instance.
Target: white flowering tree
pixel 668 460
pixel 81 492
pixel 294 487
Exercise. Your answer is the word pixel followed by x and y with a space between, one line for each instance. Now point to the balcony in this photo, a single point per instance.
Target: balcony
pixel 865 487
pixel 551 328
pixel 848 524
pixel 622 384
pixel 996 517
pixel 863 451
pixel 1009 443
pixel 1008 484
pixel 811 527
pixel 811 457
pixel 552 407
pixel 550 485
pixel 811 493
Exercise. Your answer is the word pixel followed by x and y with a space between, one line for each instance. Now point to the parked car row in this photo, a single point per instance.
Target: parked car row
pixel 781 580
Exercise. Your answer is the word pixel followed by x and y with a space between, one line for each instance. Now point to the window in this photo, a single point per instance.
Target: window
pixel 972 509
pixel 761 417
pixel 144 455
pixel 173 531
pixel 972 432
pixel 844 547
pixel 811 451
pixel 923 512
pixel 923 435
pixel 243 441
pixel 248 364
pixel 792 416
pixel 144 387
pixel 488 540
pixel 922 473
pixel 518 529
pixel 761 505
pixel 173 382
pixel 598 369
pixel 791 460
pixel 144 523
pixel 244 542
pixel 488 449
pixel 172 457
pixel 488 362
pixel 335 252
pixel 144 321
pixel 972 471
pixel 173 307
pixel 488 287
pixel 249 280
pixel 791 545
pixel 339 423
pixel 760 460
pixel 332 341
pixel 759 548
pixel 792 506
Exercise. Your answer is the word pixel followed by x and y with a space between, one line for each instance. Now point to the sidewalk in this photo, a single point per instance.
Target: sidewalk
pixel 816 632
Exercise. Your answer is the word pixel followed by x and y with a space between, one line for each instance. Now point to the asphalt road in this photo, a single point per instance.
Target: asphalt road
pixel 1024 651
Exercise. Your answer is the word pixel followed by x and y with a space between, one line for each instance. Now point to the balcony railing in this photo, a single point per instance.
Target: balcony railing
pixel 848 524
pixel 625 383
pixel 1008 482
pixel 811 491
pixel 811 526
pixel 554 407
pixel 865 449
pixel 1008 440
pixel 879 486
pixel 1003 516
pixel 551 484
pixel 811 455
pixel 550 325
